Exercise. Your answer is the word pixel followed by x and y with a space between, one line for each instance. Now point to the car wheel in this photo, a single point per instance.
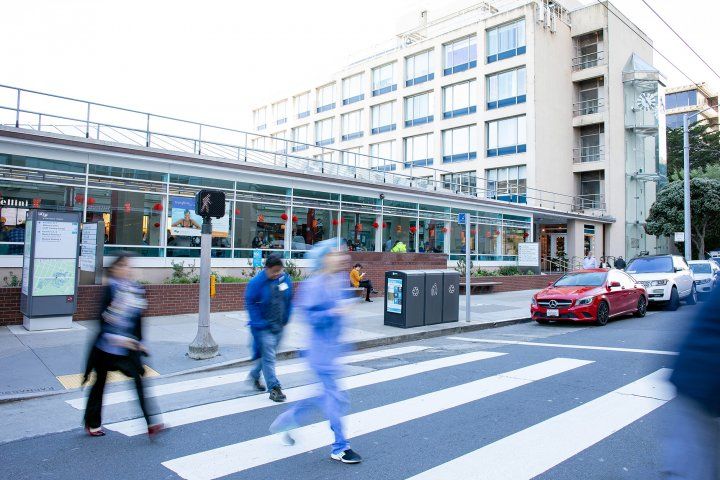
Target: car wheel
pixel 641 307
pixel 692 299
pixel 603 314
pixel 674 302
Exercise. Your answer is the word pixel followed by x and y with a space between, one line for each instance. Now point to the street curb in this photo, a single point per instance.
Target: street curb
pixel 292 354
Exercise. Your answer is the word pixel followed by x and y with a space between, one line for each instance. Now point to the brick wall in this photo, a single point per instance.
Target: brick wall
pixel 10 306
pixel 375 264
pixel 523 282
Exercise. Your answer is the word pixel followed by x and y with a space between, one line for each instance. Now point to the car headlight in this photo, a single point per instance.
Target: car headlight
pixel 584 301
pixel 704 280
pixel 658 283
pixel 534 302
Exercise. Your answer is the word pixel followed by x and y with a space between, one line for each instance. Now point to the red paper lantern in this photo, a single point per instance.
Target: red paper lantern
pixel 237 211
pixel 413 229
pixel 444 230
pixel 526 234
pixel 79 198
pixel 488 234
pixel 261 218
pixel 294 218
pixel 91 201
pixel 127 207
pixel 284 216
pixel 358 227
pixel 335 221
pixel 157 224
pixel 384 225
pixel 158 207
pixel 376 225
pixel 36 202
pixel 497 232
pixel 472 232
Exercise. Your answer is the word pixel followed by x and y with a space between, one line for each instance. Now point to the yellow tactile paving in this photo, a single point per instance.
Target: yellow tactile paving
pixel 73 380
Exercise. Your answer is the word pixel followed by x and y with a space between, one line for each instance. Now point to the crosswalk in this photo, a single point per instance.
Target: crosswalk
pixel 544 444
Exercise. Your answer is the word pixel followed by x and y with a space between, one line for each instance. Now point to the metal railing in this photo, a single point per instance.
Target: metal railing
pixel 588 60
pixel 588 107
pixel 590 202
pixel 55 114
pixel 592 153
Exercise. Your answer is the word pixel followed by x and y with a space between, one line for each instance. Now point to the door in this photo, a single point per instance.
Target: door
pixel 632 295
pixel 617 296
pixel 684 278
pixel 557 249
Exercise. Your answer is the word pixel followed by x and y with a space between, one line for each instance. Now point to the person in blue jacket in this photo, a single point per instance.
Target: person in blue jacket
pixel 268 300
pixel 323 302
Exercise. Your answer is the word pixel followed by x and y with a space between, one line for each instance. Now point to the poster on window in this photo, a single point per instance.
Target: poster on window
pixel 185 222
pixel 394 295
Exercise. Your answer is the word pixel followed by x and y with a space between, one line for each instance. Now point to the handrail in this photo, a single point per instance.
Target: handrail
pixel 579 62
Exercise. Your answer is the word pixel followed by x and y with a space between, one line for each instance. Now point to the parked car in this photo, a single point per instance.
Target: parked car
pixel 593 295
pixel 667 279
pixel 706 274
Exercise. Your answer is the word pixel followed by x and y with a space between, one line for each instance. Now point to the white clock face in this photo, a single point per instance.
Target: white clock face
pixel 647 102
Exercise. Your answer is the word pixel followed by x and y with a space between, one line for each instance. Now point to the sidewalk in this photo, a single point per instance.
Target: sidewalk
pixel 40 363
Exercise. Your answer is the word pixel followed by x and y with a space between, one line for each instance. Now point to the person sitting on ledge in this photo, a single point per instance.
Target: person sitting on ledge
pixel 356 279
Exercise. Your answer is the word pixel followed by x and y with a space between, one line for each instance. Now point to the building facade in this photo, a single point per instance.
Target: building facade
pixel 699 102
pixel 522 104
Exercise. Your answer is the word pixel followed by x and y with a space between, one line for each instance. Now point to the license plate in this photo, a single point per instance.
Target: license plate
pixel 553 312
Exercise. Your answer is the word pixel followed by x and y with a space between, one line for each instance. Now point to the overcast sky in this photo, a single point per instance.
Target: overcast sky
pixel 213 60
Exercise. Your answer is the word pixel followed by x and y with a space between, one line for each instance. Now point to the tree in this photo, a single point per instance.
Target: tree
pixel 704 147
pixel 666 214
pixel 710 171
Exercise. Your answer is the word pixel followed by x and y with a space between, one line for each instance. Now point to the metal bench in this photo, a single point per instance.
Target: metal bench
pixel 480 287
pixel 355 291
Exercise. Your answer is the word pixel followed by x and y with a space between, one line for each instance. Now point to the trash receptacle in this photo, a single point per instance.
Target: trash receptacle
pixel 404 298
pixel 433 297
pixel 451 296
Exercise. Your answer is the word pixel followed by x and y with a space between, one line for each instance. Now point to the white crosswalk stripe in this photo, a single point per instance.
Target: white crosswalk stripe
pixel 244 404
pixel 241 456
pixel 226 379
pixel 564 345
pixel 549 443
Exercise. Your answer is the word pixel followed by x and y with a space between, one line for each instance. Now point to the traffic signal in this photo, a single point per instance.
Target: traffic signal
pixel 210 203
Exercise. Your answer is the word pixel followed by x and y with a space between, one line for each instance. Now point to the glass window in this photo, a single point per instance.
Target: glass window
pixel 357 231
pixel 312 226
pixel 260 118
pixel 419 68
pixel 460 144
pixel 460 55
pixel 506 41
pixel 506 88
pixel 382 117
pixel 431 238
pixel 381 153
pixel 326 97
pixel 259 226
pixel 280 112
pixel 681 99
pixel 383 79
pixel 353 89
pixel 419 150
pixel 506 136
pixel 351 156
pixel 460 99
pixel 302 105
pixel 324 132
pixel 351 125
pixel 591 143
pixel 300 135
pixel 465 182
pixel 397 228
pixel 418 109
pixel 592 189
pixel 650 265
pixel 594 279
pixel 508 184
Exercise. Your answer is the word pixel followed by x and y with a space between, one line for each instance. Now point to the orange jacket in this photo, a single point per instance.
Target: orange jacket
pixel 355 278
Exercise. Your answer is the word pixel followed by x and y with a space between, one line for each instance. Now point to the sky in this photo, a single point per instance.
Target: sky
pixel 213 60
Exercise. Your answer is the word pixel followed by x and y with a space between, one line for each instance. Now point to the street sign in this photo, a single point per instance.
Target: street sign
pixel 462 217
pixel 679 236
pixel 210 204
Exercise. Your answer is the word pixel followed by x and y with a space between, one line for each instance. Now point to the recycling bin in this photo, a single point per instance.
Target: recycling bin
pixel 433 296
pixel 404 298
pixel 451 296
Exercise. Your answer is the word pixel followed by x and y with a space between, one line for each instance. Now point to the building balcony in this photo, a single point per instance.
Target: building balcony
pixel 588 60
pixel 589 107
pixel 583 203
pixel 589 154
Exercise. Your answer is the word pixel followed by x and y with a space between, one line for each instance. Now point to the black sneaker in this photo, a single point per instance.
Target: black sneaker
pixel 368 300
pixel 276 395
pixel 348 456
pixel 256 384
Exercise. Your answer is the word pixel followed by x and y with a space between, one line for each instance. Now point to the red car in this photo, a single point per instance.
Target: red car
pixel 590 296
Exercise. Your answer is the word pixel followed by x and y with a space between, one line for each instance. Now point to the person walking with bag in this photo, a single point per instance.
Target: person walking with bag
pixel 118 346
pixel 268 299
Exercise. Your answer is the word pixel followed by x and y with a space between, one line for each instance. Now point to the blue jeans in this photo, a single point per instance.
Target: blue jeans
pixel 264 347
pixel 691 449
pixel 332 402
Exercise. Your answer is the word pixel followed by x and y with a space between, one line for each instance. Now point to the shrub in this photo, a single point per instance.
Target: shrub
pixel 508 271
pixel 460 267
pixel 233 279
pixel 11 280
pixel 485 273
pixel 530 272
pixel 181 274
pixel 293 271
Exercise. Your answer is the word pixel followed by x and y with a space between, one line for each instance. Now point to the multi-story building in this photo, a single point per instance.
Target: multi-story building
pixel 524 103
pixel 699 102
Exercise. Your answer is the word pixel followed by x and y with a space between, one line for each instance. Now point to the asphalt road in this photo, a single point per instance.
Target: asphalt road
pixel 478 405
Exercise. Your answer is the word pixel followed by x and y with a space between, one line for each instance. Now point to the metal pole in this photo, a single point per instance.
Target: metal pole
pixel 686 187
pixel 204 345
pixel 467 267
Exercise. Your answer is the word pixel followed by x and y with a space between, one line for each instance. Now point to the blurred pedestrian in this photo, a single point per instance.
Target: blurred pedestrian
pixel 589 261
pixel 693 445
pixel 118 346
pixel 323 303
pixel 620 263
pixel 357 280
pixel 604 263
pixel 268 298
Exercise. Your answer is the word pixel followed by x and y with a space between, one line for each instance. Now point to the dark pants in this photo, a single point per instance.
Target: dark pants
pixel 103 363
pixel 367 286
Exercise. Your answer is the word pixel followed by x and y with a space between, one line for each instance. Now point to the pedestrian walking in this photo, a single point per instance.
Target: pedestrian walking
pixel 323 303
pixel 589 261
pixel 357 280
pixel 119 346
pixel 604 263
pixel 693 444
pixel 268 299
pixel 620 263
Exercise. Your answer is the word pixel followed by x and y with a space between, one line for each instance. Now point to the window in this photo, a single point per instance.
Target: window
pixel 591 144
pixel 676 120
pixel 508 184
pixel 459 99
pixel 506 41
pixel 419 68
pixel 506 136
pixel 324 132
pixel 592 189
pixel 506 88
pixel 460 55
pixel 279 142
pixel 352 125
pixel 300 135
pixel 382 118
pixel 351 156
pixel 381 154
pixel 419 150
pixel 459 144
pixel 260 118
pixel 461 182
pixel 352 89
pixel 383 79
pixel 326 98
pixel 681 99
pixel 280 112
pixel 418 109
pixel 588 50
pixel 589 97
pixel 302 105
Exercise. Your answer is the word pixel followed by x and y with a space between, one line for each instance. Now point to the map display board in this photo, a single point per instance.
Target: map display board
pixel 184 222
pixel 26 256
pixel 88 247
pixel 55 258
pixel 394 295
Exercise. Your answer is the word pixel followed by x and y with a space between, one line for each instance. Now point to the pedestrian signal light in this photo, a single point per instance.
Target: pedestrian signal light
pixel 210 203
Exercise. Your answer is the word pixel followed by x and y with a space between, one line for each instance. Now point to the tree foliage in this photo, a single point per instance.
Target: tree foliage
pixel 666 214
pixel 704 148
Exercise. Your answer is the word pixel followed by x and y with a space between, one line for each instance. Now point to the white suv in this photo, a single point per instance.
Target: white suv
pixel 667 279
